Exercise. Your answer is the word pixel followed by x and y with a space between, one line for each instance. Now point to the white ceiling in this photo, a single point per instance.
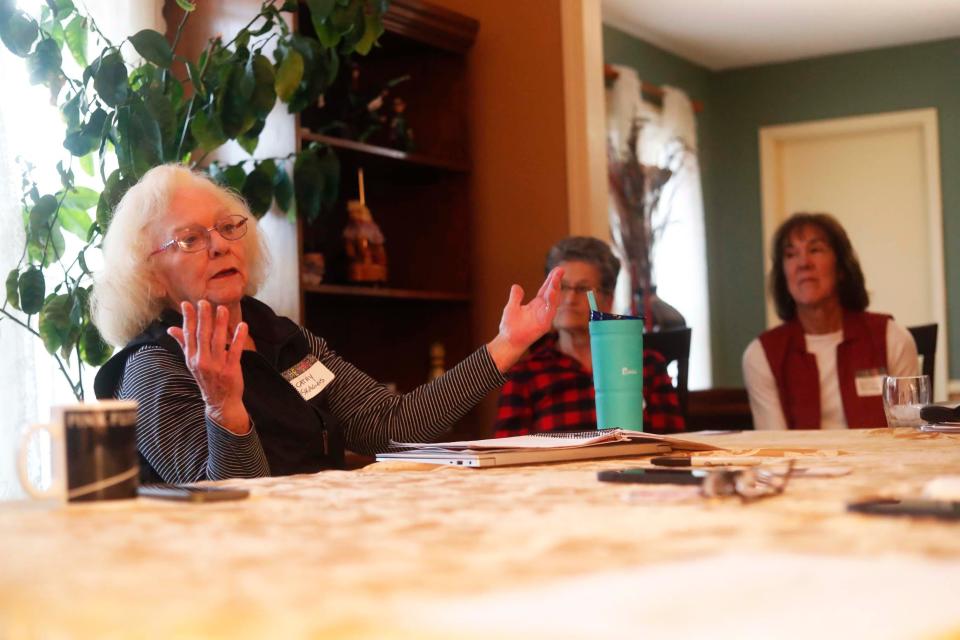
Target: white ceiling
pixel 724 34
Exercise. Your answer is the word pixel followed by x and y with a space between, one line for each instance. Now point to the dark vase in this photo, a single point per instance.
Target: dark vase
pixel 659 315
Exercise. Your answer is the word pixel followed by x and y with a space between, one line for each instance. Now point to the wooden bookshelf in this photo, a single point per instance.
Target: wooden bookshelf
pixel 419 198
pixel 386 293
pixel 376 152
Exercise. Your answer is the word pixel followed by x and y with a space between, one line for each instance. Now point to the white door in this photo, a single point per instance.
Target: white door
pixel 879 175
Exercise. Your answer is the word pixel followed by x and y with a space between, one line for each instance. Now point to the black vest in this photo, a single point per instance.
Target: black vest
pixel 298 436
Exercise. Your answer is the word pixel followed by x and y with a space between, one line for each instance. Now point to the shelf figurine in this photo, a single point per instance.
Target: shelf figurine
pixel 313 269
pixel 366 256
pixel 400 135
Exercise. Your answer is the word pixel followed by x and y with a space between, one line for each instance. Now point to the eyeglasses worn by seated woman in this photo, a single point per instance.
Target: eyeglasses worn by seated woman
pixel 197 238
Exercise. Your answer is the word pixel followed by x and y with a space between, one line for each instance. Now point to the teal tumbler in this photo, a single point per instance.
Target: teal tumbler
pixel 617 354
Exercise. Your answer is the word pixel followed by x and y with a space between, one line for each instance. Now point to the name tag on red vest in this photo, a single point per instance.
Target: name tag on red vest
pixel 869 382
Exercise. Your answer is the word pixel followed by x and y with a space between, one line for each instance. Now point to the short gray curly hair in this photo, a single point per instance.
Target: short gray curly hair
pixel 590 250
pixel 122 303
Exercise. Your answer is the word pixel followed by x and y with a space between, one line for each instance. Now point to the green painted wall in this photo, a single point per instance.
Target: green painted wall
pixel 739 102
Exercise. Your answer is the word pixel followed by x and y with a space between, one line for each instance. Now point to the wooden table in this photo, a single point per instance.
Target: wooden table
pixel 393 550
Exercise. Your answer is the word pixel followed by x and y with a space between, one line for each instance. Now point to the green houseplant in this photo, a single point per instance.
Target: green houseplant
pixel 122 120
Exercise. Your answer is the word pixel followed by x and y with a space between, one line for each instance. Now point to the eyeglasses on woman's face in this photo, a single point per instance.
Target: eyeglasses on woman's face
pixel 580 289
pixel 197 238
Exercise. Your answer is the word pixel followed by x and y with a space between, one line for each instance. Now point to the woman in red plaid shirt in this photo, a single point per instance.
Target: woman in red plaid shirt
pixel 551 389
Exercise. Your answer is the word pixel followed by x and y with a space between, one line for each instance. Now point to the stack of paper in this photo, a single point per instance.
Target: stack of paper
pixel 541 447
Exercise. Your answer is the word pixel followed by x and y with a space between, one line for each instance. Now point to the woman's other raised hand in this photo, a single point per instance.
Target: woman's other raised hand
pixel 523 324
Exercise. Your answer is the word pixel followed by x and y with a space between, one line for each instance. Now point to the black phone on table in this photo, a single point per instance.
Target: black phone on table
pixel 653 476
pixel 909 507
pixel 191 494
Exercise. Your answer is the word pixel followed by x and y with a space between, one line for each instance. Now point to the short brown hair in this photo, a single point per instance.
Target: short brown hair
pixel 851 287
pixel 590 250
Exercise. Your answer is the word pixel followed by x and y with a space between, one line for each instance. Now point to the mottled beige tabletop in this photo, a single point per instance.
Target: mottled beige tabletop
pixel 345 554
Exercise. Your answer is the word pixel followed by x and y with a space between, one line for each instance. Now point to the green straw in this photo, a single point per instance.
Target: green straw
pixel 592 299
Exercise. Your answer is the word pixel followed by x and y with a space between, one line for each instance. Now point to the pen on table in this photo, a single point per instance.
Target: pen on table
pixel 690 461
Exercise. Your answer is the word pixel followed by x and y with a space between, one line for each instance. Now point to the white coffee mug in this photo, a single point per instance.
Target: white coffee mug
pixel 93 449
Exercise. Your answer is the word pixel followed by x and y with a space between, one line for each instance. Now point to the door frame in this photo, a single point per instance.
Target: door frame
pixel 771 195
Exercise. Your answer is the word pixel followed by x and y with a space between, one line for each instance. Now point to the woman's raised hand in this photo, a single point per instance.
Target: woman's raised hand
pixel 215 365
pixel 523 324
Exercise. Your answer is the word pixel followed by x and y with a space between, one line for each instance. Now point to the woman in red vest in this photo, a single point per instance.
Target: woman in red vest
pixel 823 367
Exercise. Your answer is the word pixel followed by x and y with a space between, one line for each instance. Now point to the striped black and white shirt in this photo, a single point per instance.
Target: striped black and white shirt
pixel 183 445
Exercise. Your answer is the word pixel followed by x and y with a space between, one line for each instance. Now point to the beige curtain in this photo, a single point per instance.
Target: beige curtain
pixel 679 257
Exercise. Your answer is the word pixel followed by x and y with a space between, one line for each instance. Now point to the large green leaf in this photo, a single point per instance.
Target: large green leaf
pixel 86 164
pixel 236 114
pixel 71 111
pixel 82 142
pixel 76 221
pixel 248 142
pixel 55 321
pixel 251 137
pixel 332 63
pixel 66 177
pixel 47 247
pixel 282 188
pixel 142 76
pixel 32 288
pixel 13 294
pixel 18 33
pixel 122 141
pixel 42 214
pixel 49 27
pixel 153 47
pixel 232 177
pixel 140 147
pixel 330 166
pixel 373 29
pixel 308 184
pixel 83 198
pixel 175 94
pixel 113 190
pixel 161 110
pixel 61 8
pixel 269 167
pixel 327 35
pixel 75 34
pixel 289 75
pixel 258 190
pixel 93 349
pixel 320 9
pixel 314 76
pixel 81 306
pixel 355 33
pixel 264 94
pixel 207 131
pixel 44 63
pixel 110 80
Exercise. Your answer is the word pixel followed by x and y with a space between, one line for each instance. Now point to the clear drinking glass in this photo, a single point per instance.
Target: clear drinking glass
pixel 902 399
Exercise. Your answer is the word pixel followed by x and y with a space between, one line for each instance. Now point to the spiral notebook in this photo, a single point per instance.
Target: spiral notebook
pixel 540 447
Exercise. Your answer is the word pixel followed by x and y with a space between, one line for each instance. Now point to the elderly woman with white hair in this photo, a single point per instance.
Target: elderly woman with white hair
pixel 226 388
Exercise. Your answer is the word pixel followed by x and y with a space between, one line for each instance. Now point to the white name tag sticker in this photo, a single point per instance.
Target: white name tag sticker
pixel 869 384
pixel 309 377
